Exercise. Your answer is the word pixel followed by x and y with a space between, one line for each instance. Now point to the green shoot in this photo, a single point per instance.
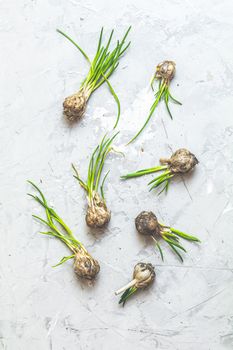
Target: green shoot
pixel 127 294
pixel 172 237
pixel 185 236
pixel 64 259
pixel 158 96
pixel 95 169
pixel 143 172
pixel 162 179
pixel 159 247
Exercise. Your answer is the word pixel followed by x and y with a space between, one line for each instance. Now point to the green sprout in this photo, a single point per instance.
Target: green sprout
pixel 84 265
pixel 104 63
pixel 165 72
pixel 147 224
pixel 182 161
pixel 98 214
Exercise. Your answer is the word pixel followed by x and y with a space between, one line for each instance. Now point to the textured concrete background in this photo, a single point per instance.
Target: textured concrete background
pixel 191 304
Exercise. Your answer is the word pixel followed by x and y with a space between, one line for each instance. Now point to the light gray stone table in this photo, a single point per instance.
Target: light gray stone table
pixel 190 306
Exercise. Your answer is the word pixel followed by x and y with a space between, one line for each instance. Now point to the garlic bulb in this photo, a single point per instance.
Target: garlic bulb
pixel 85 266
pixel 165 70
pixel 146 223
pixel 98 214
pixel 182 161
pixel 143 276
pixel 74 106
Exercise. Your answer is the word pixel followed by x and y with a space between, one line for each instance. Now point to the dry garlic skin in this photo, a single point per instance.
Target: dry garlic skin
pixel 144 274
pixel 146 223
pixel 165 70
pixel 75 105
pixel 85 266
pixel 98 214
pixel 182 161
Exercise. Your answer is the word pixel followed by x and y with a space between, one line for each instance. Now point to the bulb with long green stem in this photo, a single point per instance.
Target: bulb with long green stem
pixel 97 214
pixel 85 266
pixel 147 224
pixel 182 161
pixel 165 72
pixel 104 63
pixel 143 276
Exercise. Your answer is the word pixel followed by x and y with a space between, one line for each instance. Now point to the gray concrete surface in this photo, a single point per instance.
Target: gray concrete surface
pixel 190 306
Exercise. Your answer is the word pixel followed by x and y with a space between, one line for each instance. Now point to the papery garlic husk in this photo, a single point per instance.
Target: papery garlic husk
pixel 147 224
pixel 182 161
pixel 144 274
pixel 85 266
pixel 165 70
pixel 74 106
pixel 98 214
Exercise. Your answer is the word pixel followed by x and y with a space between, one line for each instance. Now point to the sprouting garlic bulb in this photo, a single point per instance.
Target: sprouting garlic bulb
pixel 98 214
pixel 147 224
pixel 74 106
pixel 182 161
pixel 165 70
pixel 85 266
pixel 144 274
